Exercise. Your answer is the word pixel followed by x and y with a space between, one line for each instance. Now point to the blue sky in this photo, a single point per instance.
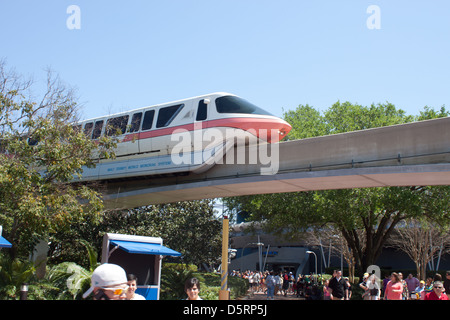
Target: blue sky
pixel 276 54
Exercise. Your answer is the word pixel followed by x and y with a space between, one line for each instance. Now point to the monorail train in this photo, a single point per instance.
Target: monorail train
pixel 188 135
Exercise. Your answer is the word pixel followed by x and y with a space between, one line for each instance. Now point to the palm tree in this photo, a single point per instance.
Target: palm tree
pixel 71 278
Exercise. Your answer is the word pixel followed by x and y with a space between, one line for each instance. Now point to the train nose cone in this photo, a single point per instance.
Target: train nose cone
pixel 284 130
pixel 270 130
pixel 279 131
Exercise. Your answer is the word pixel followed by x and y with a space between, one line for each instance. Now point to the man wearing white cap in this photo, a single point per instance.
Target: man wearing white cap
pixel 108 282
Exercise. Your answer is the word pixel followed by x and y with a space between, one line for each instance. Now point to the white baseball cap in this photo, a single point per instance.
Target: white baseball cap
pixel 106 275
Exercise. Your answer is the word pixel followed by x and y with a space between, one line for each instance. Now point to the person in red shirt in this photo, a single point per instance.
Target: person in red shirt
pixel 437 293
pixel 394 288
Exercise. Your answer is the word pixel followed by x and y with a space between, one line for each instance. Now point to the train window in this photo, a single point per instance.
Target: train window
pixel 136 122
pixel 97 129
pixel 202 110
pixel 117 125
pixel 167 114
pixel 233 104
pixel 88 128
pixel 148 120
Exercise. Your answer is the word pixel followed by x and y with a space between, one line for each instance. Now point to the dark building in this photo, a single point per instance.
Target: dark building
pixel 254 248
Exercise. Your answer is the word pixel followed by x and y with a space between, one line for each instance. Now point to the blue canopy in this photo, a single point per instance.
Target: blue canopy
pixel 145 248
pixel 4 243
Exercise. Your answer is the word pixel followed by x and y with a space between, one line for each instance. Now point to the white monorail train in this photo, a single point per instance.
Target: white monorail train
pixel 188 135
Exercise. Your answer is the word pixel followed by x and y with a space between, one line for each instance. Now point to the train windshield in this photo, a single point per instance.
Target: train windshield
pixel 233 104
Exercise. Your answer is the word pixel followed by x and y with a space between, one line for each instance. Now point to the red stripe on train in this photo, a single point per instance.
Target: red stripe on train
pixel 259 126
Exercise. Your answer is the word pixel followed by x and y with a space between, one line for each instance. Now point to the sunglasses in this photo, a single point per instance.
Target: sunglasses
pixel 438 287
pixel 117 291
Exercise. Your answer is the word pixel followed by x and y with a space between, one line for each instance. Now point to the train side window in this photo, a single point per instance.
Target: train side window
pixel 117 125
pixel 148 120
pixel 167 115
pixel 88 128
pixel 202 110
pixel 136 122
pixel 97 129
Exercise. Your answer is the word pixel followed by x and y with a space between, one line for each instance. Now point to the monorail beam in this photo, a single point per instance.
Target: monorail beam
pixel 409 154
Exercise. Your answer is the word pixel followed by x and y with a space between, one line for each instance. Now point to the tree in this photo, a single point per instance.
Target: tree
pixel 308 122
pixel 364 217
pixel 41 152
pixel 421 242
pixel 189 227
pixel 337 246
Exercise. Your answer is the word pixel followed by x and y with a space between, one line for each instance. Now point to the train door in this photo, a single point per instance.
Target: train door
pixel 133 129
pixel 145 136
pixel 200 124
pixel 214 143
pixel 202 111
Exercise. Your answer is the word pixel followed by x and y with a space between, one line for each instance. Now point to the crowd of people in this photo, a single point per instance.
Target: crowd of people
pixel 395 287
pixel 110 282
pixel 282 283
pixel 314 287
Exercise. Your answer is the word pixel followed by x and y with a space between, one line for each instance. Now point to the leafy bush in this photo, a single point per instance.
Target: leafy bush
pixel 14 273
pixel 173 277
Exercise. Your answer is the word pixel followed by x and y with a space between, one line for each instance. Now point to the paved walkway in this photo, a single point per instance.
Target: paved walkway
pixel 263 296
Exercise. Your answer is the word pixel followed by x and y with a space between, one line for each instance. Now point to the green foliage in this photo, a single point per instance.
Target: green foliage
pixel 189 227
pixel 173 277
pixel 375 211
pixel 16 272
pixel 211 283
pixel 41 153
pixel 72 279
pixel 429 113
pixel 308 122
pixel 63 281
